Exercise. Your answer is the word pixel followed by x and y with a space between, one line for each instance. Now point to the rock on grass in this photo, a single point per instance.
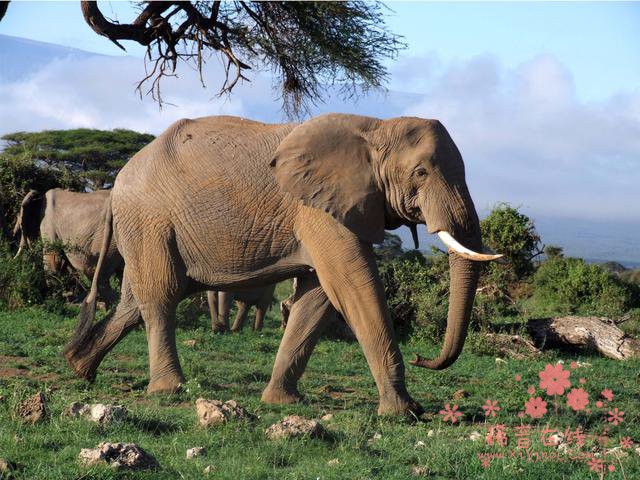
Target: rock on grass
pixel 294 426
pixel 33 409
pixel 98 412
pixel 195 452
pixel 6 466
pixel 214 412
pixel 119 456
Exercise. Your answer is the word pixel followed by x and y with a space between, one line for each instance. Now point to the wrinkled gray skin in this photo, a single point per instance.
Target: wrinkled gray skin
pixel 224 203
pixel 77 220
pixel 220 304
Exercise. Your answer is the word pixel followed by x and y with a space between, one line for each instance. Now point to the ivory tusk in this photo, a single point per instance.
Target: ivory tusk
pixel 464 252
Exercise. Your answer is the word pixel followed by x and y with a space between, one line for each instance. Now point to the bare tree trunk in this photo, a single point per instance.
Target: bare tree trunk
pixel 598 333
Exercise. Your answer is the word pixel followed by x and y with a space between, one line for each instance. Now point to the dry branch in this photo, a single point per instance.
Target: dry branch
pixel 597 333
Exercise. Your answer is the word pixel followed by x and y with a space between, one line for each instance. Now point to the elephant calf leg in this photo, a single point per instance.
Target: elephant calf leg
pixel 90 344
pixel 309 315
pixel 259 320
pixel 241 316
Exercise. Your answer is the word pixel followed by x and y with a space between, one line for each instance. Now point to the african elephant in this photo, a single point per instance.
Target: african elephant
pixel 227 203
pixel 77 220
pixel 220 305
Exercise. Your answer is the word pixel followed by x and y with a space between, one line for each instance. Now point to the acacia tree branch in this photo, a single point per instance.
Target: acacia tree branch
pixel 3 8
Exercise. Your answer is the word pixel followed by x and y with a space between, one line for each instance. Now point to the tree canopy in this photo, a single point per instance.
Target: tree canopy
pixel 95 155
pixel 308 46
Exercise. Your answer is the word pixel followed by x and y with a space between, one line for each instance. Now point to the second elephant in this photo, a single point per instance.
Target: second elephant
pixel 220 305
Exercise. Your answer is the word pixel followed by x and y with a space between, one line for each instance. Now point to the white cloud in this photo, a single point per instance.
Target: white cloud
pixel 525 136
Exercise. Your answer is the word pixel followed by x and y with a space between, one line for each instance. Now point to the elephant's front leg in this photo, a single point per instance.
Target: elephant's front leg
pixel 310 312
pixel 348 274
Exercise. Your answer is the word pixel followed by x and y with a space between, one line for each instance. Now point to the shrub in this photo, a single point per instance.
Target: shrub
pixel 571 286
pixel 417 289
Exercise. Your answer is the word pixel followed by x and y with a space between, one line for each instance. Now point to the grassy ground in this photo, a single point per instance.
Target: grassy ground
pixel 337 381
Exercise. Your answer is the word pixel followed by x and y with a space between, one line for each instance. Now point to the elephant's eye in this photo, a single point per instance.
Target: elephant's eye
pixel 421 172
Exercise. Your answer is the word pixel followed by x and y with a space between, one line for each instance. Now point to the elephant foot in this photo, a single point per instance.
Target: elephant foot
pixel 84 367
pixel 399 405
pixel 219 329
pixel 281 395
pixel 167 384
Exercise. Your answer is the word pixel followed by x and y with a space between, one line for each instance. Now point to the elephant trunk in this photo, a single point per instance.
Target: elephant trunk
pixel 464 275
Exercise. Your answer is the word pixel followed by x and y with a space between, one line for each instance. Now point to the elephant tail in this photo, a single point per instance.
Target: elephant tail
pixel 88 307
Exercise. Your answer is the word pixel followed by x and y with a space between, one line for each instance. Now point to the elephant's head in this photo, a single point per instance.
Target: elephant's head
pixel 27 226
pixel 373 174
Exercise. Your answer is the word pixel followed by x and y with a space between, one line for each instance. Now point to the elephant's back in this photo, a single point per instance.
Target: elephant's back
pixel 191 154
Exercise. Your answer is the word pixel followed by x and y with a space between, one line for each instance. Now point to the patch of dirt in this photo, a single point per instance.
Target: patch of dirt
pixel 9 359
pixel 9 372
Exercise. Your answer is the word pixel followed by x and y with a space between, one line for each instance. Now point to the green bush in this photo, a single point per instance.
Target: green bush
pixel 513 234
pixel 22 279
pixel 417 290
pixel 571 286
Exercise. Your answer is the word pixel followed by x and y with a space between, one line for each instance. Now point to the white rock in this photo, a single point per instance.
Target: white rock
pixel 118 455
pixel 431 433
pixel 195 452
pixel 327 417
pixel 419 444
pixel 294 426
pixel 616 452
pixel 214 412
pixel 333 461
pixel 475 436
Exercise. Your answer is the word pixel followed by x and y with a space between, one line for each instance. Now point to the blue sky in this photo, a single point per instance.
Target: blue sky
pixel 543 99
pixel 598 41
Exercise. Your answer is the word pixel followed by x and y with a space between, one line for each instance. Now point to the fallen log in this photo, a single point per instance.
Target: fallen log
pixel 598 333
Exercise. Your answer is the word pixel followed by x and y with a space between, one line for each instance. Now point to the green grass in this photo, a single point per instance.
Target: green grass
pixel 337 381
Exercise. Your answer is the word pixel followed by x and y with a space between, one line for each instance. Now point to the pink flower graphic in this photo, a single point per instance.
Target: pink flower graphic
pixel 531 390
pixel 583 381
pixel 450 414
pixel 607 393
pixel 615 416
pixel 611 467
pixel 554 379
pixel 518 377
pixel 626 442
pixel 490 408
pixel 573 365
pixel 599 404
pixel 595 464
pixel 535 407
pixel 577 399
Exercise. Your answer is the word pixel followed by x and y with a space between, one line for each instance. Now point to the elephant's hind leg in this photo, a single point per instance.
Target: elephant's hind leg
pixel 159 283
pixel 310 313
pixel 85 351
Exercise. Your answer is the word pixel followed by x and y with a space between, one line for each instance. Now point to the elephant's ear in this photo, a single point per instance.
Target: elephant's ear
pixel 327 163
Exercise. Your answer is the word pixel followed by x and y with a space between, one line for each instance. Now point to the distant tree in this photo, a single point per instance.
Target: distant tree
pixel 390 248
pixel 71 159
pixel 95 155
pixel 553 251
pixel 307 45
pixel 508 231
